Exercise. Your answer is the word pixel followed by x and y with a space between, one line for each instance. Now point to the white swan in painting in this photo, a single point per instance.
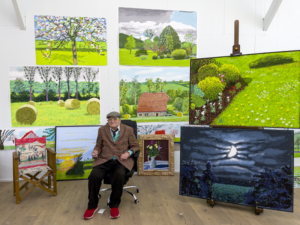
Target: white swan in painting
pixel 232 152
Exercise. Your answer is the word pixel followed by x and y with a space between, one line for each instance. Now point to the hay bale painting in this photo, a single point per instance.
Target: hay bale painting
pixel 26 114
pixel 31 103
pixel 72 104
pixel 62 95
pixel 93 106
pixel 61 103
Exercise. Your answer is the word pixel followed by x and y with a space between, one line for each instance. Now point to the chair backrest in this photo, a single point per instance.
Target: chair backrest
pixel 133 124
pixel 31 149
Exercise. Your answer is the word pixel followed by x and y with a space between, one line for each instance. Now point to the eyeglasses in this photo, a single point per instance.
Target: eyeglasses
pixel 113 119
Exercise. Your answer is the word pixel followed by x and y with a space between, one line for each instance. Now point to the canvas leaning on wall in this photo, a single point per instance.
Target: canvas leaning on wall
pixel 250 90
pixel 239 166
pixel 150 37
pixel 74 146
pixel 54 96
pixel 64 40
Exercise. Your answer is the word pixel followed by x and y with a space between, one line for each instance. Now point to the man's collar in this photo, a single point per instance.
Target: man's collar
pixel 118 127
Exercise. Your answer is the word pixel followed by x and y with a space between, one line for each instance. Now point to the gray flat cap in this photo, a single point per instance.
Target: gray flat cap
pixel 113 114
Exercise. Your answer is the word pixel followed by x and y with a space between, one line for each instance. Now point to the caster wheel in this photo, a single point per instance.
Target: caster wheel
pixel 257 213
pixel 136 201
pixel 212 206
pixel 137 190
pixel 99 196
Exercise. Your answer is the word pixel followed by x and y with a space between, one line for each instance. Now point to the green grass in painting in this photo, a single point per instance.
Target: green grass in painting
pixel 270 100
pixel 296 155
pixel 53 115
pixel 177 139
pixel 65 57
pixel 161 119
pixel 50 144
pixel 129 59
pixel 64 176
pixel 12 147
pixel 230 193
pixel 297 169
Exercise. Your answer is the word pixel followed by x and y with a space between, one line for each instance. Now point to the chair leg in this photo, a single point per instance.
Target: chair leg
pixel 49 181
pixel 133 195
pixel 54 183
pixel 14 181
pixel 17 186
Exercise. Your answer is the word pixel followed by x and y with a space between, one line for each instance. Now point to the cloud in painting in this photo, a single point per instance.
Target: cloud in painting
pixel 144 15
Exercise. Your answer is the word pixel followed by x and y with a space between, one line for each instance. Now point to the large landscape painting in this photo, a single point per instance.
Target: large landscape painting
pixel 149 37
pixel 250 90
pixel 239 166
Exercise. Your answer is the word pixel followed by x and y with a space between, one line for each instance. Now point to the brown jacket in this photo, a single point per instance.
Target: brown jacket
pixel 107 148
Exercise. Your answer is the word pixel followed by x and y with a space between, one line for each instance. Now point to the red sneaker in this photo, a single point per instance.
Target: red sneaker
pixel 114 213
pixel 89 213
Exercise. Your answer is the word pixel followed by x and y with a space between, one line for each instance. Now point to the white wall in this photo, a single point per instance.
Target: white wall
pixel 215 38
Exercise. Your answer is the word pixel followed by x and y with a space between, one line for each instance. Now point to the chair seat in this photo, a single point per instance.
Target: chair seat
pixel 33 168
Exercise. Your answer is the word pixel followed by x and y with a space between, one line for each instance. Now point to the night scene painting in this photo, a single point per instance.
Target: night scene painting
pixel 239 166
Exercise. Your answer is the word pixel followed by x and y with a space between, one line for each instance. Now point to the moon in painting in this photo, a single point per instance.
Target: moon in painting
pixel 232 152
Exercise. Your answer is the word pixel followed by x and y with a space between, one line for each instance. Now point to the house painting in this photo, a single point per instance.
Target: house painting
pixel 152 104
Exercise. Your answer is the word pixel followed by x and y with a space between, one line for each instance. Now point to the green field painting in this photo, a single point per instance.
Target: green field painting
pixel 251 90
pixel 54 96
pixel 61 40
pixel 154 94
pixel 157 37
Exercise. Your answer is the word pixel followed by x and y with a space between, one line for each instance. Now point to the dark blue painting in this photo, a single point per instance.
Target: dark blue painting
pixel 239 166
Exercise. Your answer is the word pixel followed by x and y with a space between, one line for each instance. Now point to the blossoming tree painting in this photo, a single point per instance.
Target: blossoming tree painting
pixel 250 90
pixel 63 40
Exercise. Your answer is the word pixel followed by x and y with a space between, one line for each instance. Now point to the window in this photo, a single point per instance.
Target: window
pixel 140 114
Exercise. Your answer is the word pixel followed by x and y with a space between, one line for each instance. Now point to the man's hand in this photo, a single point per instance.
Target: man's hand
pixel 95 154
pixel 125 156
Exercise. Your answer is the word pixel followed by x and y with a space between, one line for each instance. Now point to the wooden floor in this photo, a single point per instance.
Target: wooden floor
pixel 160 203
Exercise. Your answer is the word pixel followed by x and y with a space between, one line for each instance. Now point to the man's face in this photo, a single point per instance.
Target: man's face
pixel 114 122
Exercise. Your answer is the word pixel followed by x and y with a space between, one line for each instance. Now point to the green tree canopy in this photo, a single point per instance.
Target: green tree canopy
pixel 130 44
pixel 169 30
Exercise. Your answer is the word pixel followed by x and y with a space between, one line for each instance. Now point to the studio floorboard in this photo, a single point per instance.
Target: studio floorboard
pixel 159 203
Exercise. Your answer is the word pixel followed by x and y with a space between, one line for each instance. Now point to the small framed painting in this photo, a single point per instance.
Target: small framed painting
pixel 157 154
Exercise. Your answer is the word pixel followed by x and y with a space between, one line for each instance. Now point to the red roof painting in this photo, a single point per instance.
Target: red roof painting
pixel 153 102
pixel 30 137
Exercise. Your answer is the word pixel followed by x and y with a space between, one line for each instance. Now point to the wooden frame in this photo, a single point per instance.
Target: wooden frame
pixel 156 137
pixel 51 162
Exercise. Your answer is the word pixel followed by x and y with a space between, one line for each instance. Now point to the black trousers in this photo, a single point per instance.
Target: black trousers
pixel 117 177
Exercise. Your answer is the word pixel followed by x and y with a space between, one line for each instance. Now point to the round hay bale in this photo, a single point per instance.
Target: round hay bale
pixel 179 114
pixel 31 103
pixel 50 102
pixel 72 104
pixel 61 103
pixel 40 103
pixel 26 114
pixel 93 106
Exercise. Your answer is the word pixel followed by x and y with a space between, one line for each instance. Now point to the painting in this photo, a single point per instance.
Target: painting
pixel 260 90
pixel 8 136
pixel 296 143
pixel 154 94
pixel 156 155
pixel 31 149
pixel 64 40
pixel 149 37
pixel 297 177
pixel 74 146
pixel 161 128
pixel 54 96
pixel 240 166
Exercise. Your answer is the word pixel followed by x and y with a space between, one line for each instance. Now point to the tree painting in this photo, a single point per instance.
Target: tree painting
pixel 61 39
pixel 150 37
pixel 5 135
pixel 260 90
pixel 239 166
pixel 153 95
pixel 54 96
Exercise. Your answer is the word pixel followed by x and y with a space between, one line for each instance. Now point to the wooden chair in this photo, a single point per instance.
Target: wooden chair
pixel 25 172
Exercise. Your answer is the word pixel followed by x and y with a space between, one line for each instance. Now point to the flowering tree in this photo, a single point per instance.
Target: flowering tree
pixel 44 72
pixel 60 30
pixel 29 74
pixel 57 75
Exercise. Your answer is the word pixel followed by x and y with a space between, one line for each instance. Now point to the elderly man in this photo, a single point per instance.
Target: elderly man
pixel 115 143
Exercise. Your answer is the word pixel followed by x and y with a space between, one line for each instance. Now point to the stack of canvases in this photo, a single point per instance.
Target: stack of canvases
pixel 155 48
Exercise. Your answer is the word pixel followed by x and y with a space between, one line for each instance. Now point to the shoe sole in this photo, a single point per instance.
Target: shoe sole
pixel 87 218
pixel 114 217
